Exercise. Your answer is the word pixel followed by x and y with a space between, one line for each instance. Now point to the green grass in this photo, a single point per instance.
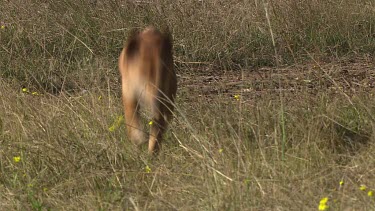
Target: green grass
pixel 269 150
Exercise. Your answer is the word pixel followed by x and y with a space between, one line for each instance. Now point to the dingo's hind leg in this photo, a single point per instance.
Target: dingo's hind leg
pixel 132 119
pixel 157 128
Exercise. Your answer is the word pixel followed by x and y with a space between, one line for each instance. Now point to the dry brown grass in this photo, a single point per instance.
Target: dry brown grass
pixel 220 153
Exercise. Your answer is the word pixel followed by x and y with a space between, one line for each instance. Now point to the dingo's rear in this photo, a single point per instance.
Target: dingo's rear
pixel 148 79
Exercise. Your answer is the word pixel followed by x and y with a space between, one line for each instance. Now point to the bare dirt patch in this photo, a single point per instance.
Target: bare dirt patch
pixel 349 77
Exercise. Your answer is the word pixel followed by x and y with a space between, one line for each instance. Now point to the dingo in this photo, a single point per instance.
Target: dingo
pixel 148 79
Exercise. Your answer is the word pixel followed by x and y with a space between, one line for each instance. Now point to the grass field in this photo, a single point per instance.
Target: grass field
pixel 275 108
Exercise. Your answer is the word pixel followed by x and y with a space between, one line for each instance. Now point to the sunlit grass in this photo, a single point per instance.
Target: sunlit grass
pixel 335 201
pixel 74 153
pixel 62 132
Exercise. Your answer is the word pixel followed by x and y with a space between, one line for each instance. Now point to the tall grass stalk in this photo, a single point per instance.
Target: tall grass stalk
pixel 282 120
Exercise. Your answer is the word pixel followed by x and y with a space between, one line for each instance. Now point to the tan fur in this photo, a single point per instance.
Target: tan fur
pixel 148 79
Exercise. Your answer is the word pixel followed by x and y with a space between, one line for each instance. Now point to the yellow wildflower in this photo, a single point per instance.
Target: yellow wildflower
pixel 112 128
pixel 221 150
pixel 341 182
pixel 17 159
pixel 34 93
pixel 324 200
pixel 151 122
pixel 120 119
pixel 117 123
pixel 362 187
pixel 237 97
pixel 147 169
pixel 323 207
pixel 2 27
pixel 370 193
pixel 25 90
pixel 323 204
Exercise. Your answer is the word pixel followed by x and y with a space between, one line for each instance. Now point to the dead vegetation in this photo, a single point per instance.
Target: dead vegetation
pixel 247 135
